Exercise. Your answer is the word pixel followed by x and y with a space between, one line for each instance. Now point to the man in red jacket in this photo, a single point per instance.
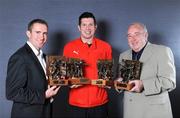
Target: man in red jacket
pixel 88 101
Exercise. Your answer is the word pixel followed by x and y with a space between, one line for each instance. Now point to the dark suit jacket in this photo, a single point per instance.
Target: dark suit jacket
pixel 26 85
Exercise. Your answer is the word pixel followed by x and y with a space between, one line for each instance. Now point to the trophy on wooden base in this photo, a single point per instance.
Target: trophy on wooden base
pixel 56 70
pixel 122 85
pixel 105 73
pixel 75 72
pixel 128 70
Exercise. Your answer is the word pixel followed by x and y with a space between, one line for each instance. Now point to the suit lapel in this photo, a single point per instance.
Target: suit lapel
pixel 128 55
pixel 147 53
pixel 33 57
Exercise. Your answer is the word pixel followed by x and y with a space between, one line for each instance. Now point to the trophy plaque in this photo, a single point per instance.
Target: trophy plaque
pixel 75 72
pixel 123 85
pixel 105 73
pixel 56 70
pixel 128 70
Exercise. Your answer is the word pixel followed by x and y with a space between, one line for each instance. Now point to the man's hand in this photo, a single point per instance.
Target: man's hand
pixel 75 86
pixel 104 86
pixel 51 91
pixel 116 81
pixel 138 86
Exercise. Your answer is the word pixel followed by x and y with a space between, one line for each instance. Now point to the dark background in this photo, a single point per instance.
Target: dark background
pixel 162 18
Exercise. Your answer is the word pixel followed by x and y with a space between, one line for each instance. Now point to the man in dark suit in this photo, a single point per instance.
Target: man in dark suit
pixel 26 83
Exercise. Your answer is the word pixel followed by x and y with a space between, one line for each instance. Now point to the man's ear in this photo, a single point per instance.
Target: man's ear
pixel 95 27
pixel 28 33
pixel 79 28
pixel 146 35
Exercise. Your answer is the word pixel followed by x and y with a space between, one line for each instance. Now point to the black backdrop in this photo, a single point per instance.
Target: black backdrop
pixel 161 17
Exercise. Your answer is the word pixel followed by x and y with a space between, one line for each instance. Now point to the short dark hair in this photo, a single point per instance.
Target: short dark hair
pixel 87 15
pixel 41 21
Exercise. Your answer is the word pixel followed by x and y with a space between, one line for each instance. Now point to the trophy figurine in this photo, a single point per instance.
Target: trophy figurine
pixel 128 70
pixel 56 70
pixel 105 73
pixel 75 72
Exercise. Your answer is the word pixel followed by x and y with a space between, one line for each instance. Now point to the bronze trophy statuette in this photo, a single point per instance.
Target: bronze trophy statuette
pixel 65 71
pixel 128 70
pixel 75 72
pixel 56 70
pixel 69 71
pixel 105 73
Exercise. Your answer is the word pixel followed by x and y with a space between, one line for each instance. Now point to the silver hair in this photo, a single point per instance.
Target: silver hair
pixel 139 24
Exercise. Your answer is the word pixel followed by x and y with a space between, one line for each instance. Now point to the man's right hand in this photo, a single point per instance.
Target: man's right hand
pixel 51 91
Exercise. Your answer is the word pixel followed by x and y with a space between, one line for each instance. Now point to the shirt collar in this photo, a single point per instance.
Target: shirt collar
pixel 140 50
pixel 93 46
pixel 87 41
pixel 36 52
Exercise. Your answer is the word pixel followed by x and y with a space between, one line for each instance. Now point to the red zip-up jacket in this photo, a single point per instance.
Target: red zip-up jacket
pixel 88 95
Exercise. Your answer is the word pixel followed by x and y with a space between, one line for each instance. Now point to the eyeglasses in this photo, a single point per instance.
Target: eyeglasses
pixel 136 34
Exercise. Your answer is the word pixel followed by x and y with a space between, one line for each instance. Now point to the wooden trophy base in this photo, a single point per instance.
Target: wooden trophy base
pixel 60 82
pixel 78 81
pixel 122 85
pixel 102 82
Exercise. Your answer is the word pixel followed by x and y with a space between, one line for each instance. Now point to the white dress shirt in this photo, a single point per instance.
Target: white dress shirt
pixel 39 55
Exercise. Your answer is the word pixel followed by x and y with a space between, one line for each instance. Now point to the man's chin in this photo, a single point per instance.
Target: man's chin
pixel 88 37
pixel 135 49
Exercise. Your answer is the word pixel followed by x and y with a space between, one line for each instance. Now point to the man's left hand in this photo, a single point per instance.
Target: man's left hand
pixel 138 86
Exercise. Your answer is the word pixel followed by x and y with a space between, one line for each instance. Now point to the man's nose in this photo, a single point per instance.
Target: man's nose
pixel 42 36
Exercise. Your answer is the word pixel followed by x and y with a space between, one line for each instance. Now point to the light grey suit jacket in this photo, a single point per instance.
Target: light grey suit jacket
pixel 159 77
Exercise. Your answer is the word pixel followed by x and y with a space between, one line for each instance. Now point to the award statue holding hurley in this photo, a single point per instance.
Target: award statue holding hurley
pixel 128 70
pixel 57 70
pixel 75 72
pixel 69 71
pixel 65 71
pixel 105 73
